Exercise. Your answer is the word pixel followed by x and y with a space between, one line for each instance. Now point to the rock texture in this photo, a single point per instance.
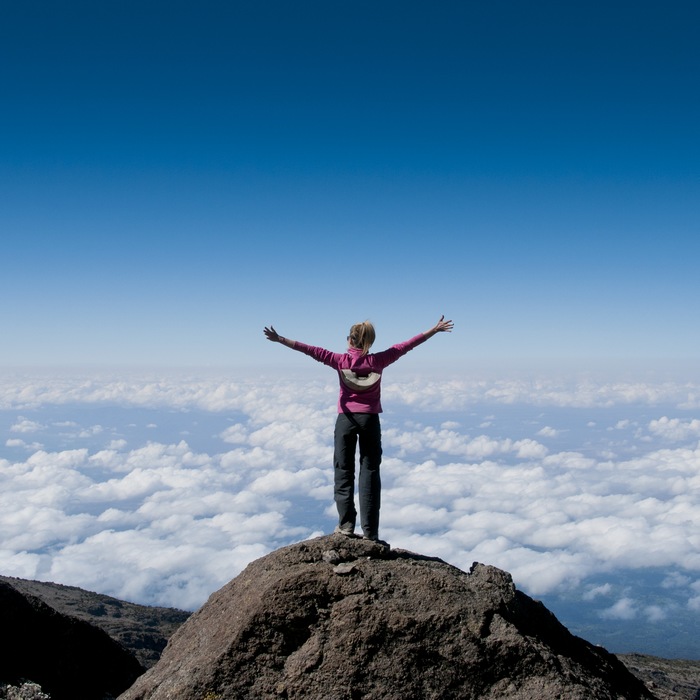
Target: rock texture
pixel 339 618
pixel 70 659
pixel 668 679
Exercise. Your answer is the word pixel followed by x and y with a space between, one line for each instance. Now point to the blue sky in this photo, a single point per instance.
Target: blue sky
pixel 176 175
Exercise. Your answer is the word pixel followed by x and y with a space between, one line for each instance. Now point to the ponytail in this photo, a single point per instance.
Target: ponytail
pixel 362 336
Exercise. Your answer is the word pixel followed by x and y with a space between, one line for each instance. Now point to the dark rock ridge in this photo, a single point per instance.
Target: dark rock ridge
pixel 339 618
pixel 142 629
pixel 69 658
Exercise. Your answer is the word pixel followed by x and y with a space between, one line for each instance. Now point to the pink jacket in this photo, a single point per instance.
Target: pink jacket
pixel 360 375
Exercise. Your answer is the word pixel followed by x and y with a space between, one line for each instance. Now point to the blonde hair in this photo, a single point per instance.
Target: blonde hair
pixel 362 336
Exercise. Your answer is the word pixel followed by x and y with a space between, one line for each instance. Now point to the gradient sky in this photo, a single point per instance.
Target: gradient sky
pixel 175 175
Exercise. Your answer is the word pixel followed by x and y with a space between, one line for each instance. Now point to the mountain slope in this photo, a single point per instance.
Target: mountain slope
pixel 69 658
pixel 142 629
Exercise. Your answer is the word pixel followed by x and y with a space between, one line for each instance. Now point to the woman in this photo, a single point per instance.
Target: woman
pixel 359 406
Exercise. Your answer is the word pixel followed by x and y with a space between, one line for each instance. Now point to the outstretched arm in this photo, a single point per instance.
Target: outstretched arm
pixel 275 337
pixel 319 354
pixel 441 326
pixel 390 355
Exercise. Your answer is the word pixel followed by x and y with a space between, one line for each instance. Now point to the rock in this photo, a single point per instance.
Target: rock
pixel 69 658
pixel 344 568
pixel 399 626
pixel 668 679
pixel 331 556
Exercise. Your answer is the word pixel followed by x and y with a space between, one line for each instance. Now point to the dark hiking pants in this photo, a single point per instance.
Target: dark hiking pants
pixel 351 428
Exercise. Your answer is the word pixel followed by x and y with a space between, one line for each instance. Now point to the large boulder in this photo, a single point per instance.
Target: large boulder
pixel 339 618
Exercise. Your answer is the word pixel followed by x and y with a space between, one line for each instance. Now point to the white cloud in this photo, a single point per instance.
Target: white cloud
pixel 91 431
pixel 213 392
pixel 674 429
pixel 594 592
pixel 655 613
pixel 676 580
pixel 29 446
pixel 286 482
pixel 180 574
pixel 161 521
pixel 544 573
pixel 694 599
pixel 624 609
pixel 24 425
pixel 236 434
pixel 529 449
pixel 20 564
pixel 453 443
pixel 180 512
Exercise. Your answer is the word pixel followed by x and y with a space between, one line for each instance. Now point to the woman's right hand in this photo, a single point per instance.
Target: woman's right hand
pixel 272 334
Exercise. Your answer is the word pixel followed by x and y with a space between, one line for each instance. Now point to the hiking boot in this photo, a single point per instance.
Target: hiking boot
pixel 347 529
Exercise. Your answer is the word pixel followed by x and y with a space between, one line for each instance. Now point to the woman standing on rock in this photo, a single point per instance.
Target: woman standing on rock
pixel 359 406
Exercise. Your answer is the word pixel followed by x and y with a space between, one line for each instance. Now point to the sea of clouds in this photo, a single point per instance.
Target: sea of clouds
pixel 160 489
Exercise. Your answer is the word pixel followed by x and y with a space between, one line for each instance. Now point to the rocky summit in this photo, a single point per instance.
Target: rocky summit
pixel 341 618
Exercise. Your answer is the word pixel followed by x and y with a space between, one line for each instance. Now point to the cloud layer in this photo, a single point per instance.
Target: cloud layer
pixel 558 486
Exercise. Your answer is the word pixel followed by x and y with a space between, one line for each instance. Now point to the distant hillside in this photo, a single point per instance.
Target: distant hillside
pixel 669 679
pixel 69 658
pixel 141 629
